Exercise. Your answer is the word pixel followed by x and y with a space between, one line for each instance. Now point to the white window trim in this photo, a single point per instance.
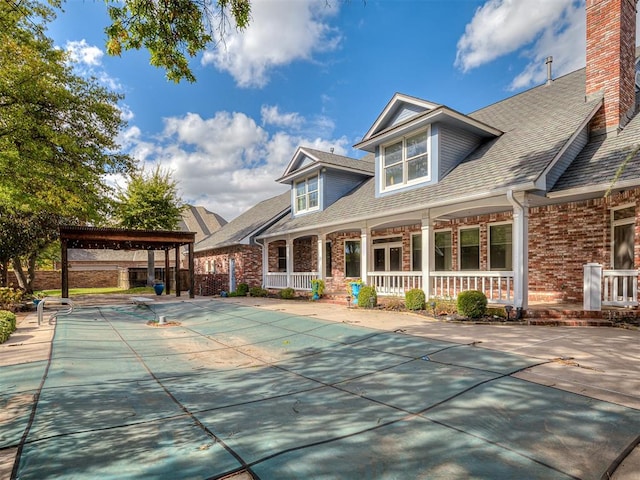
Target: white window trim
pixel 459 242
pixel 386 247
pixel 412 237
pixel 450 230
pixel 617 223
pixel 405 182
pixel 495 224
pixel 306 194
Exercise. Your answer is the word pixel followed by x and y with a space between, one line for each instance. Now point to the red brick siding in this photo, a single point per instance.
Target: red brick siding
pixel 248 263
pixel 52 279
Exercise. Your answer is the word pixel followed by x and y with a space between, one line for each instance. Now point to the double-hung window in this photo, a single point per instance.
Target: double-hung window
pixel 406 161
pixel 442 257
pixel 352 258
pixel 307 194
pixel 500 247
pixel 469 248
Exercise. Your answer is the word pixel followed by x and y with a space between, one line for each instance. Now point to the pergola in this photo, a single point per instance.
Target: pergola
pixel 94 238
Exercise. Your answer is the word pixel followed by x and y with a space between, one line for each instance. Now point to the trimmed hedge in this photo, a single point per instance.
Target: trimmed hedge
pixel 242 290
pixel 367 298
pixel 472 304
pixel 287 293
pixel 258 292
pixel 415 299
pixel 7 325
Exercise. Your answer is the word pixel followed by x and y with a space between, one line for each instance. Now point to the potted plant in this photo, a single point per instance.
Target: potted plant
pixel 317 288
pixel 354 289
pixel 158 286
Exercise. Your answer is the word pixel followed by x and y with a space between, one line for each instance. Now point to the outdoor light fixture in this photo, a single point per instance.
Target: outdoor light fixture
pixel 348 301
pixel 508 309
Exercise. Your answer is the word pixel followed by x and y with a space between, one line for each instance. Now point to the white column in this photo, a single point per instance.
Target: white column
pixel 321 255
pixel 364 254
pixel 265 264
pixel 520 249
pixel 592 287
pixel 427 253
pixel 289 254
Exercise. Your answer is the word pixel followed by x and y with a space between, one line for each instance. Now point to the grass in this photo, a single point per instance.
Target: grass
pixel 99 291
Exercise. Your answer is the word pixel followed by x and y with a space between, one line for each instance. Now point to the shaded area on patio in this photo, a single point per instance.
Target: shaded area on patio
pixel 234 388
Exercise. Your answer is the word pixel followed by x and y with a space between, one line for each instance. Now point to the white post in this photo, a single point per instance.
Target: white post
pixel 289 256
pixel 592 287
pixel 321 255
pixel 427 231
pixel 265 264
pixel 520 250
pixel 364 254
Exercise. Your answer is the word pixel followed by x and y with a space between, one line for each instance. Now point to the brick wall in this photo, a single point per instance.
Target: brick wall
pixel 52 279
pixel 248 264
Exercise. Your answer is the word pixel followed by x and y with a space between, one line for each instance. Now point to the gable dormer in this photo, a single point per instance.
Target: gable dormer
pixel 319 178
pixel 416 142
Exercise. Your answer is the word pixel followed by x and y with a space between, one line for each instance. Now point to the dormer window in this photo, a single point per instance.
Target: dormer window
pixel 307 194
pixel 406 161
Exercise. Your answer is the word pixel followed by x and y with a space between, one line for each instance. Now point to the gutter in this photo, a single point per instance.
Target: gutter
pixel 400 211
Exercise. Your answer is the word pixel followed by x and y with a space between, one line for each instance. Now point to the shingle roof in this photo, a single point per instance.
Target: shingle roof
pixel 201 221
pixel 537 124
pixel 596 166
pixel 249 223
pixel 365 165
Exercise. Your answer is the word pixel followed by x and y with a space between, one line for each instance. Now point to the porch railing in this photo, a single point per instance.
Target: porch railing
pixel 394 283
pixel 620 288
pixel 298 280
pixel 497 286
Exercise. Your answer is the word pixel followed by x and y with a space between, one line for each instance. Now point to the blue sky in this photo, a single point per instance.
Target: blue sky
pixel 316 73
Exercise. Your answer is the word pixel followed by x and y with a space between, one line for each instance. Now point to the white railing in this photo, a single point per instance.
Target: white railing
pixel 276 280
pixel 394 283
pixel 298 280
pixel 620 288
pixel 497 286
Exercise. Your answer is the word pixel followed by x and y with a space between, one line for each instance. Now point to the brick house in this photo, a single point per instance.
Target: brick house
pixel 231 255
pixel 524 199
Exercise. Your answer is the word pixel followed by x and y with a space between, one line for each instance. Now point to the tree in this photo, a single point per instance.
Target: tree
pixel 149 202
pixel 172 30
pixel 57 135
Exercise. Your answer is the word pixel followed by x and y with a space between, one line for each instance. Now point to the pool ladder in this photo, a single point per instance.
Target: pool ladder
pixel 62 301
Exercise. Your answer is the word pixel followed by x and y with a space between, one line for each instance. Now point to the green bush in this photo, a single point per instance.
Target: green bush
pixel 287 293
pixel 10 317
pixel 10 297
pixel 242 290
pixel 472 304
pixel 415 299
pixel 367 298
pixel 258 292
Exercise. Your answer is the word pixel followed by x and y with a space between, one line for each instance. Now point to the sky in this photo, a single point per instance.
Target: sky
pixel 315 73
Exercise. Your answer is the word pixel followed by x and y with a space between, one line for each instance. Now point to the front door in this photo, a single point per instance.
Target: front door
pixel 387 254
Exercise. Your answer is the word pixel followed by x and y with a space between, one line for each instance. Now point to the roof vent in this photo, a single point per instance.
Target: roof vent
pixel 549 61
pixel 331 149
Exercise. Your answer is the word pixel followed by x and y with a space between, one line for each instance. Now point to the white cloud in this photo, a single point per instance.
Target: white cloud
pixel 228 162
pixel 279 33
pixel 271 116
pixel 539 28
pixel 87 60
pixel 81 52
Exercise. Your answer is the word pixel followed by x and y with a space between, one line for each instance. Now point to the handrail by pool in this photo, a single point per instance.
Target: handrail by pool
pixel 62 301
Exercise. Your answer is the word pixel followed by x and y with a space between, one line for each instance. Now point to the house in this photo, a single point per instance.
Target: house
pixel 231 255
pixel 533 198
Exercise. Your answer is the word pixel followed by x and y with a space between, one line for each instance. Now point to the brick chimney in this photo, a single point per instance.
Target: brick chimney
pixel 611 48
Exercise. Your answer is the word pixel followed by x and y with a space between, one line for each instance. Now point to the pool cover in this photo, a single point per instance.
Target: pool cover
pixel 226 388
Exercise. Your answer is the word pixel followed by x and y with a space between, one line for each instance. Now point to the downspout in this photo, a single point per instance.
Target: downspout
pixel 520 253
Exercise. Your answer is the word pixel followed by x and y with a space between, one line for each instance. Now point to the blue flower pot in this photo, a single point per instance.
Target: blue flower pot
pixel 159 288
pixel 355 290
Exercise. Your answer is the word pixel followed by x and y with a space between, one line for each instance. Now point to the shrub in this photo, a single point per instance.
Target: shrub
pixel 415 299
pixel 258 292
pixel 287 293
pixel 472 303
pixel 242 289
pixel 367 298
pixel 9 317
pixel 10 297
